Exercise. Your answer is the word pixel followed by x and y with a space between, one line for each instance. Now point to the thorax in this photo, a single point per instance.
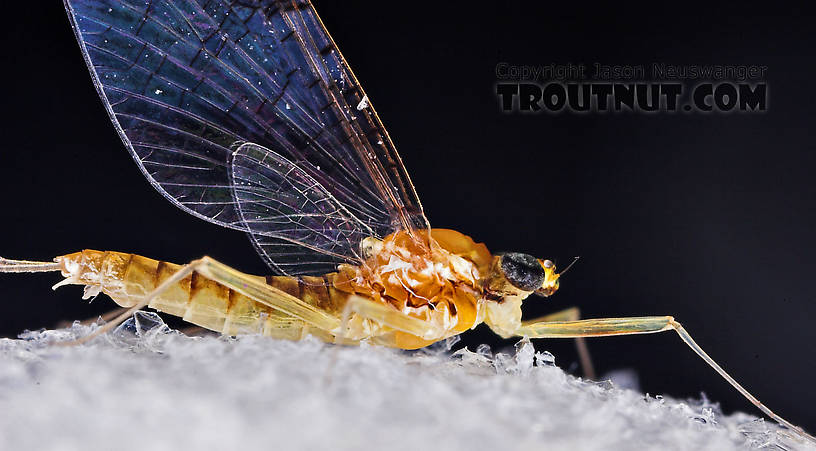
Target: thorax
pixel 439 280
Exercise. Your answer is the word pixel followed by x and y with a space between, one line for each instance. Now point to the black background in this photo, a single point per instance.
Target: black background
pixel 708 217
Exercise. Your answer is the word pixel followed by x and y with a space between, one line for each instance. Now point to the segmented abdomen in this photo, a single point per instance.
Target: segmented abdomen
pixel 128 278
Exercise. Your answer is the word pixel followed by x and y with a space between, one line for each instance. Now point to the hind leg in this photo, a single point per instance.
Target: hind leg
pixel 242 283
pixel 87 322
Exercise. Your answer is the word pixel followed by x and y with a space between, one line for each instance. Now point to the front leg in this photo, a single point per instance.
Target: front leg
pixel 642 325
pixel 570 314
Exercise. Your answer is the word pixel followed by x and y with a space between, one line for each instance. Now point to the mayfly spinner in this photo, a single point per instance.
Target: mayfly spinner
pixel 245 114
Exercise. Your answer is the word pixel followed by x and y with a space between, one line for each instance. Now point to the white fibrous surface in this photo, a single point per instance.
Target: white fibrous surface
pixel 147 387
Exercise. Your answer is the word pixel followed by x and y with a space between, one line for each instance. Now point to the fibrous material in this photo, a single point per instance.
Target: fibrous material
pixel 147 387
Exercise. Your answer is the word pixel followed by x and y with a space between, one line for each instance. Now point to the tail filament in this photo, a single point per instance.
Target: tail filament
pixel 7 265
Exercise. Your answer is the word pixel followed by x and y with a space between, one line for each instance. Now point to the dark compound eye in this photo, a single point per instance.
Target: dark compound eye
pixel 523 271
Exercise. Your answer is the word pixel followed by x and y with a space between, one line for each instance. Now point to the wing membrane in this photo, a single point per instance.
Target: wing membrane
pixel 281 204
pixel 187 82
pixel 360 121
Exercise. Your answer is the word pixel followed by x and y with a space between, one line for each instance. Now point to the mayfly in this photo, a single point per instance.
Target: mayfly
pixel 245 114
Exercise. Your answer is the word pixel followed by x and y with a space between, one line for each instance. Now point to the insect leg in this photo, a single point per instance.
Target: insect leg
pixel 571 314
pixel 388 316
pixel 238 281
pixel 265 294
pixel 185 271
pixel 87 322
pixel 643 325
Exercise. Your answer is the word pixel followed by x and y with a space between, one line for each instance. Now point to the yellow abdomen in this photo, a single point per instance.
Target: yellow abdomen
pixel 128 278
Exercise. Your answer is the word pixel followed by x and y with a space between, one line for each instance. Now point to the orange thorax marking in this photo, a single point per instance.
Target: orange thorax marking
pixel 439 281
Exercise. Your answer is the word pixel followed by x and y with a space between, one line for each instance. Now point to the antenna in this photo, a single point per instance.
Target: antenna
pixel 575 259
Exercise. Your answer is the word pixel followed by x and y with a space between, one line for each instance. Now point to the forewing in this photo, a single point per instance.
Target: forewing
pixel 363 128
pixel 282 206
pixel 187 82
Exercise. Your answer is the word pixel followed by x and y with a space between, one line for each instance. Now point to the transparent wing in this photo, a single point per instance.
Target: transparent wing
pixel 187 82
pixel 284 208
pixel 358 118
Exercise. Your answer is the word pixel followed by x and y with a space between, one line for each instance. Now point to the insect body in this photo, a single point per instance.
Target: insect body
pixel 245 114
pixel 453 288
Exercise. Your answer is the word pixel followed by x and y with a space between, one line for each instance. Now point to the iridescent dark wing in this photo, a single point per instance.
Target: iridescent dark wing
pixel 187 82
